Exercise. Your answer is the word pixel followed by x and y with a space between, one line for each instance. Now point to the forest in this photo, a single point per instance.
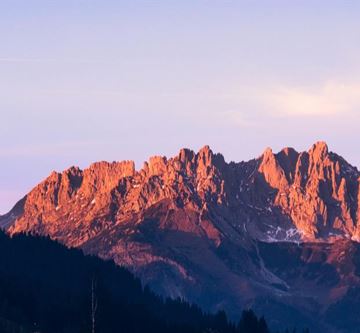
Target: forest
pixel 48 288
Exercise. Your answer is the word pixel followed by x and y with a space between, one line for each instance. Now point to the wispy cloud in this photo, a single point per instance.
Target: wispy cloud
pixel 254 106
pixel 332 98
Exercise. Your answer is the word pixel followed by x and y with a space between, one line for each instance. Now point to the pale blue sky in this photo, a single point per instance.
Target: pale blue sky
pixel 87 80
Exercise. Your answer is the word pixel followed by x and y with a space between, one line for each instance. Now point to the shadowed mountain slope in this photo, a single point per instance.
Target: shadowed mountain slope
pixel 196 226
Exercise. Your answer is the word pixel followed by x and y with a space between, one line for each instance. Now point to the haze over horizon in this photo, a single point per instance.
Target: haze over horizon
pixel 85 81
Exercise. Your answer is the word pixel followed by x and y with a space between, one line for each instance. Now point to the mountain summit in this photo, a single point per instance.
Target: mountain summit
pixel 288 196
pixel 196 226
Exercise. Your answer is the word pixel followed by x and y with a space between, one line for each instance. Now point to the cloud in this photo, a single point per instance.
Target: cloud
pixel 332 98
pixel 256 106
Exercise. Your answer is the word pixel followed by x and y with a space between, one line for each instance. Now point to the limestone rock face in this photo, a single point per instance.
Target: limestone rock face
pixel 316 189
pixel 75 205
pixel 191 225
pixel 307 196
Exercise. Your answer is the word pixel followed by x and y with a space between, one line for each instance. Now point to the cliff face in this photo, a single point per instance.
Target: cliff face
pixel 286 196
pixel 318 190
pixel 191 225
pixel 75 205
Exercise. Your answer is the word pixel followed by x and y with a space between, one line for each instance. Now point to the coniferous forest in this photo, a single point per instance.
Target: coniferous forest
pixel 47 288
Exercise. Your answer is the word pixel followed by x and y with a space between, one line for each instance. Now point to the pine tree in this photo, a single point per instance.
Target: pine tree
pixel 262 326
pixel 94 304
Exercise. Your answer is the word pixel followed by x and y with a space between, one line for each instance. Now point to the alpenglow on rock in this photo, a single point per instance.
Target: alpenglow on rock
pixel 194 225
pixel 304 196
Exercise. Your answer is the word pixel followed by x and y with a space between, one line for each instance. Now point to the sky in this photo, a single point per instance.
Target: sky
pixel 89 80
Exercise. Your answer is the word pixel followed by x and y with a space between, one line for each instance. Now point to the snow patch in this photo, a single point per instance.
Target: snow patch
pixel 278 234
pixel 355 239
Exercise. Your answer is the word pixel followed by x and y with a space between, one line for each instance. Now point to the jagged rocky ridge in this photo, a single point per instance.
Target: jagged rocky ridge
pixel 193 225
pixel 306 196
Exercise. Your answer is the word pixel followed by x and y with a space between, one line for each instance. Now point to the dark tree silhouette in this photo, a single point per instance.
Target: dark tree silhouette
pixel 44 287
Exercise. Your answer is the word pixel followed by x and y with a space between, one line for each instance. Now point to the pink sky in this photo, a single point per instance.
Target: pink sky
pixel 91 80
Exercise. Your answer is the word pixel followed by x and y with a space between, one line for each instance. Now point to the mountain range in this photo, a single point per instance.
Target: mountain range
pixel 279 233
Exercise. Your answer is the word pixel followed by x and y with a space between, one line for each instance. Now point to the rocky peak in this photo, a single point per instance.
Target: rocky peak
pixel 186 156
pixel 319 151
pixel 272 171
pixel 268 153
pixel 157 165
pixel 194 218
pixel 206 152
pixel 204 161
pixel 288 158
pixel 315 193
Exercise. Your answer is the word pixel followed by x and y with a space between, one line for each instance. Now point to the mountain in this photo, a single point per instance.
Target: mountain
pixel 278 233
pixel 47 288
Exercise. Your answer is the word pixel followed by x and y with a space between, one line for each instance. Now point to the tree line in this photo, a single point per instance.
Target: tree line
pixel 48 288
